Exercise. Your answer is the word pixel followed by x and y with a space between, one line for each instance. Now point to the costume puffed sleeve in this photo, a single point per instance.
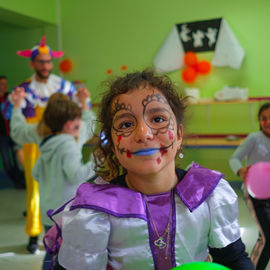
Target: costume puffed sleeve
pixel 85 236
pixel 223 206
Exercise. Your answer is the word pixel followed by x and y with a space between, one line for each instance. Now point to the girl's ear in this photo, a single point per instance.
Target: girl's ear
pixel 180 135
pixel 31 64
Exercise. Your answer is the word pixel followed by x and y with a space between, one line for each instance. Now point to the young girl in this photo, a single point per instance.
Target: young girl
pixel 151 215
pixel 256 147
pixel 59 169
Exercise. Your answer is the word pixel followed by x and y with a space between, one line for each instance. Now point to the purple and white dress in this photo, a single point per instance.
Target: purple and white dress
pixel 108 225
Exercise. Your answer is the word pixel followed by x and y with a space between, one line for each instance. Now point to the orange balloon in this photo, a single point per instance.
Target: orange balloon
pixel 189 74
pixel 204 67
pixel 190 59
pixel 65 65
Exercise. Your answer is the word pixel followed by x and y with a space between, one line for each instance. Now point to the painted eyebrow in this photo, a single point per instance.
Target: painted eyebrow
pixel 155 110
pixel 123 115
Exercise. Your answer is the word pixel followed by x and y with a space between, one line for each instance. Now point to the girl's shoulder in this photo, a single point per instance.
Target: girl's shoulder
pixel 113 199
pixel 255 135
pixel 197 185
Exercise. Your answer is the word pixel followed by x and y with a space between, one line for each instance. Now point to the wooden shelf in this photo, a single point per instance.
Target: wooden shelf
pixel 211 142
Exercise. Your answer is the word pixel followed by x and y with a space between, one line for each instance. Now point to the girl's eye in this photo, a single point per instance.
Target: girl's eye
pixel 125 125
pixel 158 119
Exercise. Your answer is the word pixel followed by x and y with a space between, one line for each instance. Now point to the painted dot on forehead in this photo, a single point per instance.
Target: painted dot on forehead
pixel 158 160
pixel 119 138
pixel 171 136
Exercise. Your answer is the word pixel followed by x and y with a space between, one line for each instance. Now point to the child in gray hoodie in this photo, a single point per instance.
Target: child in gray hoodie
pixel 59 169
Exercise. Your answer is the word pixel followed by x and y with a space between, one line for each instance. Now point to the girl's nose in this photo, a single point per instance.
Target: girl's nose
pixel 143 132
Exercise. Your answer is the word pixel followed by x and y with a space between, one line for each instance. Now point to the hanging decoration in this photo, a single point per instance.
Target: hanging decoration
pixel 193 67
pixel 200 36
pixel 110 70
pixel 189 74
pixel 65 65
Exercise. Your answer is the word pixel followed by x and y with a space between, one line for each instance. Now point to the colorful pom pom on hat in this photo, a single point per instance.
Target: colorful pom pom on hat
pixel 38 49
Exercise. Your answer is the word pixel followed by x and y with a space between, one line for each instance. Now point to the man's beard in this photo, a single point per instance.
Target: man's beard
pixel 41 76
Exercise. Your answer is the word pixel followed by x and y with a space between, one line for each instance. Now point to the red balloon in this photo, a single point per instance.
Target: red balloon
pixel 190 59
pixel 189 74
pixel 203 67
pixel 65 65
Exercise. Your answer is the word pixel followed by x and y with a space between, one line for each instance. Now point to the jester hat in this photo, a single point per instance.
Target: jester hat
pixel 38 49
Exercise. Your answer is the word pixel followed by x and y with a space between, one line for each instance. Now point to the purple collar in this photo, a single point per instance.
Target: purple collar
pixel 195 187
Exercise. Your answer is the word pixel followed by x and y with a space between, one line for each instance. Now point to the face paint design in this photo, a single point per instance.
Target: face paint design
pixel 151 151
pixel 126 127
pixel 119 138
pixel 158 118
pixel 144 131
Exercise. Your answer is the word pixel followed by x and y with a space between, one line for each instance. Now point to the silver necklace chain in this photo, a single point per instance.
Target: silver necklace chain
pixel 160 242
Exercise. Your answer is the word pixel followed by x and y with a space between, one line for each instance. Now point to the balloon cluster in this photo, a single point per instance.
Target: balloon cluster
pixel 189 74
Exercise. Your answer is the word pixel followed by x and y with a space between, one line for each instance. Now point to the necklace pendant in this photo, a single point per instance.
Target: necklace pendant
pixel 160 243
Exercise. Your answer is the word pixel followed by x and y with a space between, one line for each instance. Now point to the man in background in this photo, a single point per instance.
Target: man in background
pixel 38 89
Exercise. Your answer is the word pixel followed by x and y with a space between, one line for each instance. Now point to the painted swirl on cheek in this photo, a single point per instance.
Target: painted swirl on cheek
pixel 119 138
pixel 158 160
pixel 171 137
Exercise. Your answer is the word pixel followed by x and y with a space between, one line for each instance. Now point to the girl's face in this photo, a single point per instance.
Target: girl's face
pixel 144 131
pixel 265 121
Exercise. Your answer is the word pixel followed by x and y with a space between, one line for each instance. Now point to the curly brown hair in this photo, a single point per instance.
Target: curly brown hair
pixel 107 164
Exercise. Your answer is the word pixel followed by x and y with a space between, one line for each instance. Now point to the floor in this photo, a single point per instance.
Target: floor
pixel 13 239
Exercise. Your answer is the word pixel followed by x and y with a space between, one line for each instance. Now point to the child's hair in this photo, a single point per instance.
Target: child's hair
pixel 59 110
pixel 108 166
pixel 265 106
